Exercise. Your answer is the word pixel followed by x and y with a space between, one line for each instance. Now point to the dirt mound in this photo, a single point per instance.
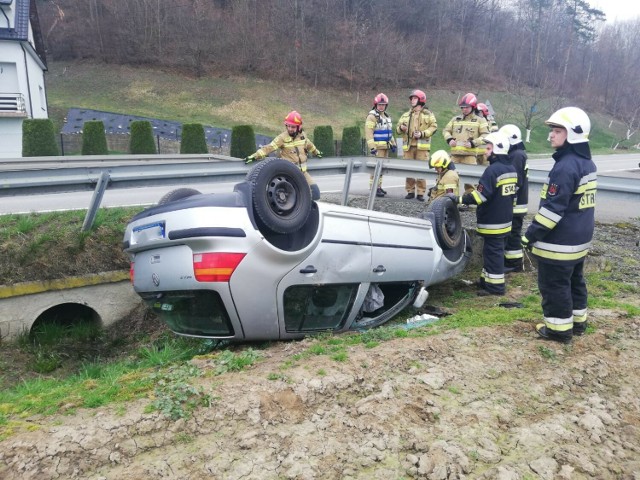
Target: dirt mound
pixel 483 403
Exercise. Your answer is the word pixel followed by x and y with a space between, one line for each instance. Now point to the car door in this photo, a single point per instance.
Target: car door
pixel 320 292
pixel 402 248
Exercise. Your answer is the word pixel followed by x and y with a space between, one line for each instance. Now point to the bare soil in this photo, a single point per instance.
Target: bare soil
pixel 483 403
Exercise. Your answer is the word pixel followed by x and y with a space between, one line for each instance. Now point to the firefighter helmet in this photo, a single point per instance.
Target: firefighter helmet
pixel 499 141
pixel 420 95
pixel 512 133
pixel 484 109
pixel 381 99
pixel 575 121
pixel 468 100
pixel 440 159
pixel 294 119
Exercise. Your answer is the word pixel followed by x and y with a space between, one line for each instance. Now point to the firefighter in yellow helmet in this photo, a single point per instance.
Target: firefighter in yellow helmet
pixel 416 128
pixel 448 180
pixel 292 145
pixel 378 131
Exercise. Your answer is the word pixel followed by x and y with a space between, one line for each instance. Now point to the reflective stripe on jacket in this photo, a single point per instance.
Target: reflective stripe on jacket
pixel 562 230
pixel 378 130
pixel 518 157
pixel 293 149
pixel 422 121
pixel 471 128
pixel 494 197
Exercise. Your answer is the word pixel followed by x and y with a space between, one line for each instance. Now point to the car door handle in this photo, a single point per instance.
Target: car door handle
pixel 379 269
pixel 309 269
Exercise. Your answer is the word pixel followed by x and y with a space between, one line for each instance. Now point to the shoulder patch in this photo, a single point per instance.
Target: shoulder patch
pixel 480 188
pixel 553 189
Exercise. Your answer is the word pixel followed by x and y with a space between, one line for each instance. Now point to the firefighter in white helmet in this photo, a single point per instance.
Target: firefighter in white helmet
pixel 561 232
pixel 494 198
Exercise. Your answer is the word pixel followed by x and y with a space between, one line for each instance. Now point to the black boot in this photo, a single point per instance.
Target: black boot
pixel 380 192
pixel 544 332
pixel 410 196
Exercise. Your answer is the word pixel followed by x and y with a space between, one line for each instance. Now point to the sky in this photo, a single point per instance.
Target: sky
pixel 618 9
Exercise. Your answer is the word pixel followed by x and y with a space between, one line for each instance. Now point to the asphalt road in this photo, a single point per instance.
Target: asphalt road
pixel 608 209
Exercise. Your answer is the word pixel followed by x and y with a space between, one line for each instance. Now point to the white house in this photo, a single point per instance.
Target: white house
pixel 22 67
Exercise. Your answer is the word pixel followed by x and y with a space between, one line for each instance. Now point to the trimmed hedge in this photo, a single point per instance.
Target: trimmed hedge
pixel 351 142
pixel 38 138
pixel 323 140
pixel 94 140
pixel 193 139
pixel 243 141
pixel 142 140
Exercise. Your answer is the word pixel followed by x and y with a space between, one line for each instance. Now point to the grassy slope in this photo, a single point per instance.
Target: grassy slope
pixel 228 101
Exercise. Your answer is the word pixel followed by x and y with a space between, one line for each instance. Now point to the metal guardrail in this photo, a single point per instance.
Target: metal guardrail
pixel 134 171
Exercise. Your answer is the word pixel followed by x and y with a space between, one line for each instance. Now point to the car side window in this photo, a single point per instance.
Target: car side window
pixel 310 308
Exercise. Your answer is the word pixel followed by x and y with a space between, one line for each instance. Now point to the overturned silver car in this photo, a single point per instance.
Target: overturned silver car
pixel 266 262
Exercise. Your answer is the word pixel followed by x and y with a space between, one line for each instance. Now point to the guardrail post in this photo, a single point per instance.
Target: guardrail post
pixel 347 182
pixel 96 200
pixel 374 184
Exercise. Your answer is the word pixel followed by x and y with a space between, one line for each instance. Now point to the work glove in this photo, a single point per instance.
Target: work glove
pixel 394 148
pixel 526 244
pixel 318 154
pixel 373 151
pixel 250 159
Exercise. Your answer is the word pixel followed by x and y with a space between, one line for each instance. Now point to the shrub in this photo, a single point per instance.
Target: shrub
pixel 142 140
pixel 243 141
pixel 94 140
pixel 323 139
pixel 38 138
pixel 193 139
pixel 351 142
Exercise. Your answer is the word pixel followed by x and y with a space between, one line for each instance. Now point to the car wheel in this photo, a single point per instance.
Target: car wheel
pixel 178 194
pixel 448 224
pixel 280 194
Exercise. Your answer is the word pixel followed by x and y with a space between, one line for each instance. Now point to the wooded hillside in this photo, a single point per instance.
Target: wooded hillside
pixel 527 47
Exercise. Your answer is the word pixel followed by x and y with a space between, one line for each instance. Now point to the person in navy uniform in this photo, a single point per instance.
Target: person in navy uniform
pixel 494 197
pixel 560 234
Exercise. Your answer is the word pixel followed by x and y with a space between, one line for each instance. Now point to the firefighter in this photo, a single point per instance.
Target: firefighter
pixel 378 131
pixel 560 234
pixel 494 197
pixel 448 179
pixel 492 126
pixel 465 133
pixel 513 253
pixel 292 145
pixel 416 128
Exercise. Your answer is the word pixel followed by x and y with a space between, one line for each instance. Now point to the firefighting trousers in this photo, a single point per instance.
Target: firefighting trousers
pixel 513 253
pixel 417 185
pixel 381 153
pixel 492 277
pixel 564 297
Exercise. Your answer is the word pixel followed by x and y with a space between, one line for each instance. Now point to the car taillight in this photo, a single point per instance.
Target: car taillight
pixel 131 272
pixel 215 267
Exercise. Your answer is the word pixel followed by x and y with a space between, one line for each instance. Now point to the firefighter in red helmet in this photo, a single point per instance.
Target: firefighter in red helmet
pixel 416 128
pixel 465 133
pixel 378 131
pixel 292 145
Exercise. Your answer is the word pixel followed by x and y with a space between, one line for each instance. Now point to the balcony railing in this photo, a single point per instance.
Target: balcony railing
pixel 12 105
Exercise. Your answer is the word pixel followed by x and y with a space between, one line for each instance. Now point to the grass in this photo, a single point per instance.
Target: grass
pixel 225 102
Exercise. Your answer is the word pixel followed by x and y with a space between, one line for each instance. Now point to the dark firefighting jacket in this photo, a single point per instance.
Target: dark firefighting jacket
pixel 518 157
pixel 494 196
pixel 562 230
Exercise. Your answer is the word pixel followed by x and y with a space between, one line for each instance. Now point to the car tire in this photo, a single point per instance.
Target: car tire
pixel 280 195
pixel 448 224
pixel 178 194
